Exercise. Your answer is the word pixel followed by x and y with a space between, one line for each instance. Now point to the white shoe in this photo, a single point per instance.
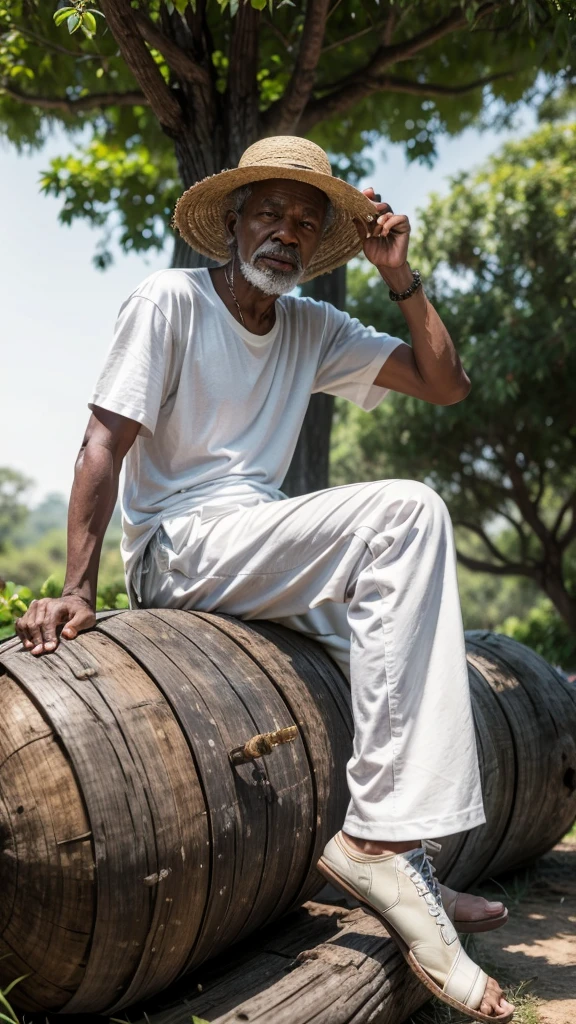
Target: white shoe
pixel 393 888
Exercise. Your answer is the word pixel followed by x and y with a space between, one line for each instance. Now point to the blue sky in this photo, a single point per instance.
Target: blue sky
pixel 58 311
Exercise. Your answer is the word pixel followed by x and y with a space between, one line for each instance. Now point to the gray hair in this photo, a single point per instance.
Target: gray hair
pixel 240 196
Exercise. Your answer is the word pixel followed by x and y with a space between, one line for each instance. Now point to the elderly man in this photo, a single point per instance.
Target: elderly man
pixel 203 394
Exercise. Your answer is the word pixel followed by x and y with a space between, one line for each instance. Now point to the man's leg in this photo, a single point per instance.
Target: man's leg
pixel 386 549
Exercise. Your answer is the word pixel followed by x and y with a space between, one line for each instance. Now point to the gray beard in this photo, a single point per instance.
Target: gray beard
pixel 268 281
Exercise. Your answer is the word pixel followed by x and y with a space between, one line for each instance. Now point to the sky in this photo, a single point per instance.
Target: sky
pixel 57 312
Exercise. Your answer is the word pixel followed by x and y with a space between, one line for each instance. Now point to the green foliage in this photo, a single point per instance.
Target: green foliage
pixel 123 177
pixel 130 191
pixel 497 256
pixel 544 631
pixel 486 599
pixel 13 603
pixel 14 600
pixel 79 16
pixel 35 551
pixel 13 487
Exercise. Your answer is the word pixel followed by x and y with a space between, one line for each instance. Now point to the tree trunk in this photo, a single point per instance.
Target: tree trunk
pixel 310 463
pixel 565 605
pixel 186 258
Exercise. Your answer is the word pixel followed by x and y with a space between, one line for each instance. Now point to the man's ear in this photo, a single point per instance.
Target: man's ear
pixel 230 222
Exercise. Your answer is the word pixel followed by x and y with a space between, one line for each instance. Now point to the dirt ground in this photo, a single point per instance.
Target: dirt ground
pixel 537 948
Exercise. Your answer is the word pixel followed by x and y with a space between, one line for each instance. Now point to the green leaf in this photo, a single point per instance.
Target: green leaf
pixel 63 14
pixel 122 601
pixel 199 1020
pixel 16 981
pixel 74 22
pixel 90 22
pixel 19 69
pixel 259 5
pixel 234 5
pixel 4 1002
pixel 11 1020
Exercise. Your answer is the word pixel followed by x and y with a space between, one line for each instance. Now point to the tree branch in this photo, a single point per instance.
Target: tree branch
pixel 122 22
pixel 90 102
pixel 386 56
pixel 522 536
pixel 389 27
pixel 570 534
pixel 570 503
pixel 474 528
pixel 524 502
pixel 288 110
pixel 352 38
pixel 369 79
pixel 497 570
pixel 181 63
pixel 342 99
pixel 55 47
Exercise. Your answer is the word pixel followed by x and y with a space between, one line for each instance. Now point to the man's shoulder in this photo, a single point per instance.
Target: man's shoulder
pixel 169 283
pixel 317 314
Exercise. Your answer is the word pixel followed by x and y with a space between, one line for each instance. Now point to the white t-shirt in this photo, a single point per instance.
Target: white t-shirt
pixel 221 408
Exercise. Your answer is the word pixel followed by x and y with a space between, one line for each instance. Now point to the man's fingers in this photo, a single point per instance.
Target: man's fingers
pixel 38 629
pixel 23 632
pixel 82 619
pixel 395 221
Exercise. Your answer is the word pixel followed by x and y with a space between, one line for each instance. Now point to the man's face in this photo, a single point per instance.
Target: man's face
pixel 277 232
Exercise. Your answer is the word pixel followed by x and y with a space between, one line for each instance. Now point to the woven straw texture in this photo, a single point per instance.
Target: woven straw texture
pixel 200 212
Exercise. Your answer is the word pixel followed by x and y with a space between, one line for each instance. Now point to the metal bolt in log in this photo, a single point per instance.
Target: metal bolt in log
pixel 262 744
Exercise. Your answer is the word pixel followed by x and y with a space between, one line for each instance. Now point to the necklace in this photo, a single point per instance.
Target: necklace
pixel 230 284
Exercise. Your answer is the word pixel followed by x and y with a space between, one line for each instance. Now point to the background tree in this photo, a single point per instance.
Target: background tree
pixel 498 257
pixel 13 510
pixel 161 94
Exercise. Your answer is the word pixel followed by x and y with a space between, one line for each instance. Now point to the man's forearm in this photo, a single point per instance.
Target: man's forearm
pixel 436 358
pixel 91 505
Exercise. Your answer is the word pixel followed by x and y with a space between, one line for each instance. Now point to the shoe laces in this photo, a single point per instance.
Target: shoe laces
pixel 422 861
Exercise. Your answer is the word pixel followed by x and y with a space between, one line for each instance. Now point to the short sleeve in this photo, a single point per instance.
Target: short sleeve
pixel 350 359
pixel 132 381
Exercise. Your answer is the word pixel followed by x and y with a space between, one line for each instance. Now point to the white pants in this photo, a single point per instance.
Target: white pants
pixel 369 571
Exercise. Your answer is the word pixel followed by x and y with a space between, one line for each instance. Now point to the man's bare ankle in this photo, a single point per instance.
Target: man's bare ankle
pixel 378 846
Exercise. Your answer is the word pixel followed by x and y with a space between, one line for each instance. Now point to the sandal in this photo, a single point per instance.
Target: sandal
pixel 393 889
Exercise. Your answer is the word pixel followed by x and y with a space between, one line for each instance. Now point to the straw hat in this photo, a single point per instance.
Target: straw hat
pixel 200 212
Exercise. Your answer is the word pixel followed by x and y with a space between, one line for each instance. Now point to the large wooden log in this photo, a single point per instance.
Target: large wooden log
pixel 132 849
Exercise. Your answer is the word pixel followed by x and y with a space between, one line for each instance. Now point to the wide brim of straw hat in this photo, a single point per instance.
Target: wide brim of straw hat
pixel 200 212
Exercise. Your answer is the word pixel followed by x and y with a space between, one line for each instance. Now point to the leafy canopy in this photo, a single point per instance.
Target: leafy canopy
pixel 346 73
pixel 497 256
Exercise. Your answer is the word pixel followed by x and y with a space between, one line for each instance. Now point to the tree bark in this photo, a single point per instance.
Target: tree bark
pixel 565 605
pixel 186 258
pixel 309 469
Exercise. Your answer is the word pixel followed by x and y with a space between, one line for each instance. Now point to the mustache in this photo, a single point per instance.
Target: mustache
pixel 276 249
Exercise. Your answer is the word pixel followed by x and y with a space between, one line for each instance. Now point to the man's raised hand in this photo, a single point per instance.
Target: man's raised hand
pixel 38 628
pixel 385 241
